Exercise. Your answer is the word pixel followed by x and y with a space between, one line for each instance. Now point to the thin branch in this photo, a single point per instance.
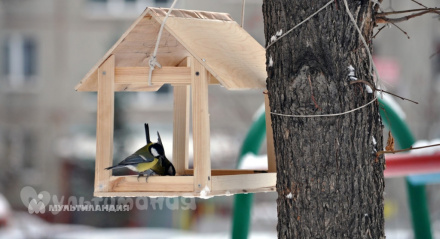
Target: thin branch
pixel 383 14
pixel 404 150
pixel 420 4
pixel 380 19
pixel 414 1
pixel 404 32
pixel 380 29
pixel 384 91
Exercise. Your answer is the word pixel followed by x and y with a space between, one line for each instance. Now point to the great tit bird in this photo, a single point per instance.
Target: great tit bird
pixel 148 160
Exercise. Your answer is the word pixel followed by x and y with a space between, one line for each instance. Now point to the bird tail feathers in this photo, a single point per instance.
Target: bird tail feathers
pixel 115 166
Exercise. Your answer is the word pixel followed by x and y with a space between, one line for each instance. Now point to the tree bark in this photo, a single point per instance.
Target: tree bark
pixel 330 183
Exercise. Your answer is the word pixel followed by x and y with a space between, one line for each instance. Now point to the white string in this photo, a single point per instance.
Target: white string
pixel 242 13
pixel 326 115
pixel 299 24
pixel 153 61
pixel 364 42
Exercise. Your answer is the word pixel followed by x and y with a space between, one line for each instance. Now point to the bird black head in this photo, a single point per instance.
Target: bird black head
pixel 156 150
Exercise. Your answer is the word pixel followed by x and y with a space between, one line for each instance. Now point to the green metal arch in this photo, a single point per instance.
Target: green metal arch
pixel 404 138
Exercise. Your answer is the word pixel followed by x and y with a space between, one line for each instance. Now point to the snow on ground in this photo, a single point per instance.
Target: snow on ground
pixel 252 161
pixel 24 225
pixel 175 234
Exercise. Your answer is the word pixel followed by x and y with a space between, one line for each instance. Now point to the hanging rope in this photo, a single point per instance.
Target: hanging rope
pixel 299 24
pixel 152 62
pixel 325 115
pixel 242 13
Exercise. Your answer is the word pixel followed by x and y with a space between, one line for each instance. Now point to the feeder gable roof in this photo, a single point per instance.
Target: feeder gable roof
pixel 226 50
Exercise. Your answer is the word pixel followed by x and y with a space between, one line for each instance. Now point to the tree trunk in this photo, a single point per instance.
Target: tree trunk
pixel 330 183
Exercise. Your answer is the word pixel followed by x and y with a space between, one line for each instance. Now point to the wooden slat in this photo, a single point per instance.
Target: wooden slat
pixel 181 128
pixel 154 184
pixel 271 159
pixel 137 87
pixel 222 172
pixel 136 78
pixel 104 128
pixel 182 194
pixel 181 123
pixel 201 130
pixel 160 76
pixel 243 183
pixel 129 186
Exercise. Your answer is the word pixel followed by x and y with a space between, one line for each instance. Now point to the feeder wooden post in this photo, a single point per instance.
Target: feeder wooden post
pixel 271 160
pixel 105 120
pixel 201 130
pixel 181 125
pixel 181 128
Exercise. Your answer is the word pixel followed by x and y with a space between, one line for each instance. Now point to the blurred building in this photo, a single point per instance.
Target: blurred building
pixel 47 130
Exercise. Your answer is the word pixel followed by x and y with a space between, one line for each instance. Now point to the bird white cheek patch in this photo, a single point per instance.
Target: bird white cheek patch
pixel 154 152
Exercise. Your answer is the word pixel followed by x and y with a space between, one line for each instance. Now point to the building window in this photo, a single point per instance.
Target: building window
pixel 18 147
pixel 19 61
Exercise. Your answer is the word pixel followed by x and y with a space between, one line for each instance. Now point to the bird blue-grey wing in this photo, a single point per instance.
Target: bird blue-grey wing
pixel 136 159
pixel 131 160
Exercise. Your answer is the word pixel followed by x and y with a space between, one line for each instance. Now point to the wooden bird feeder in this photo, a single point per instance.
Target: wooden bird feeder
pixel 196 49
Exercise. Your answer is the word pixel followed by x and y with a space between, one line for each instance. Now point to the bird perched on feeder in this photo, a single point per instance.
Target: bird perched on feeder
pixel 148 160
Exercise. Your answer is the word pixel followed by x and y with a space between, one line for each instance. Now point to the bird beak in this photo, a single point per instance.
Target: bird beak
pixel 171 170
pixel 147 133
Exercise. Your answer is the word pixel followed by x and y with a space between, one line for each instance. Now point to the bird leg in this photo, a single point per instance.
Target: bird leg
pixel 139 175
pixel 148 174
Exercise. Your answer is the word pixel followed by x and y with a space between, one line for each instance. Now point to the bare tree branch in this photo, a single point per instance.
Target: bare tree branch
pixel 404 150
pixel 404 32
pixel 380 29
pixel 382 14
pixel 380 17
pixel 384 91
pixel 422 5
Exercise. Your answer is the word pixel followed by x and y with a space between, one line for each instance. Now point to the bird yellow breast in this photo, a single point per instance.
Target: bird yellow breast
pixel 141 167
